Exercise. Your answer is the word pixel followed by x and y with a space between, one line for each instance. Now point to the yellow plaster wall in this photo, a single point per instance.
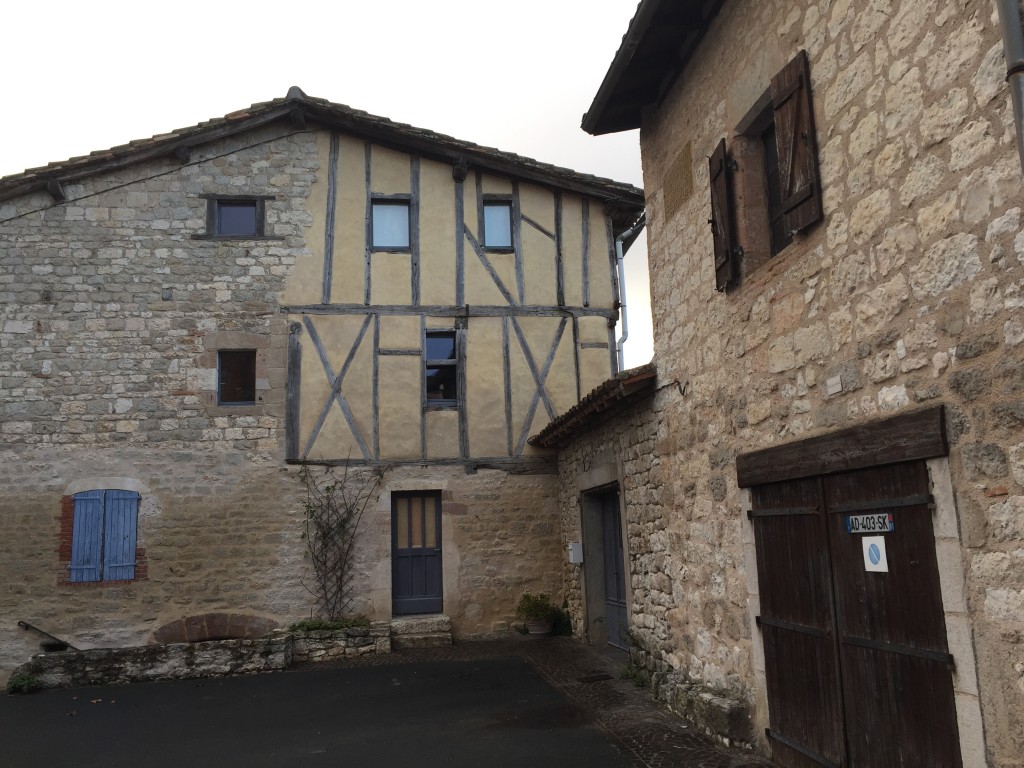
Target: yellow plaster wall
pixel 561 382
pixel 437 233
pixel 600 260
pixel 538 204
pixel 485 392
pixel 593 330
pixel 400 332
pixel 391 278
pixel 442 434
pixel 540 269
pixel 572 249
pixel 349 223
pixel 390 171
pixel 480 287
pixel 439 322
pixel 338 335
pixel 495 185
pixel 401 399
pixel 595 365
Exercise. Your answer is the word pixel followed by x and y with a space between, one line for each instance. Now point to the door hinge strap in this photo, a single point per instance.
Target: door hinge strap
pixel 782 512
pixel 942 657
pixel 904 501
pixel 800 748
pixel 803 629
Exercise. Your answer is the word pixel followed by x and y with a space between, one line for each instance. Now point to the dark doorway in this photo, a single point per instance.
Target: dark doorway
pixel 416 582
pixel 604 568
pixel 614 572
pixel 857 665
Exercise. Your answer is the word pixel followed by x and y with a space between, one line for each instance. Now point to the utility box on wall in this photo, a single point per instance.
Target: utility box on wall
pixel 575 552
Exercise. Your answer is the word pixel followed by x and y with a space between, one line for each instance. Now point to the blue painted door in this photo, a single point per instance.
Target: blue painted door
pixel 416 553
pixel 616 619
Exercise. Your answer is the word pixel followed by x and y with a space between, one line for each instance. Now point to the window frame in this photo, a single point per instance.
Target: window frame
pixel 100 534
pixel 221 402
pixel 394 201
pixel 428 363
pixel 766 219
pixel 494 201
pixel 213 205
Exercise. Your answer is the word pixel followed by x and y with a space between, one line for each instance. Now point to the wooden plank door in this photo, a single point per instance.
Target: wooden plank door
pixel 897 686
pixel 797 615
pixel 856 660
pixel 616 619
pixel 416 553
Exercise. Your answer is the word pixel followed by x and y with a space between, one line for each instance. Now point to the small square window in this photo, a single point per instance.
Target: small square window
pixel 235 217
pixel 390 224
pixel 441 368
pixel 236 377
pixel 497 225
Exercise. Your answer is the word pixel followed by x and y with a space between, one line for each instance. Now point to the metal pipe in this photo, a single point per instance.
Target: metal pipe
pixel 1013 52
pixel 619 256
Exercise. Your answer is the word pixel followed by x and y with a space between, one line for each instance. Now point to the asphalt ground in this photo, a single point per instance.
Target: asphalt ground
pixel 533 702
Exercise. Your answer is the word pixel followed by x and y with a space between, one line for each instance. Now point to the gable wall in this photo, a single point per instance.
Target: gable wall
pixel 111 314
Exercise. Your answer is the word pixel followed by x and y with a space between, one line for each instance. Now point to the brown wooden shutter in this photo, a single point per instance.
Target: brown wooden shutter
pixel 722 218
pixel 798 151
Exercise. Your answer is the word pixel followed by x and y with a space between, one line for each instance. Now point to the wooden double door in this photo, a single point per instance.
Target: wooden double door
pixel 858 669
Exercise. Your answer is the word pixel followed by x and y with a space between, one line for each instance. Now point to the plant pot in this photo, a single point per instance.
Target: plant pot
pixel 539 626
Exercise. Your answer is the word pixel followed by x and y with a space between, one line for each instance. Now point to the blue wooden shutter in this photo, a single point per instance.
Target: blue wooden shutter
pixel 87 536
pixel 122 508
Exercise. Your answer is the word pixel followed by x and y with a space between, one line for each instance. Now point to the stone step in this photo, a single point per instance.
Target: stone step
pixel 421 631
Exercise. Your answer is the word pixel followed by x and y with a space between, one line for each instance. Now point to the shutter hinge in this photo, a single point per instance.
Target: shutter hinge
pixel 731 164
pixel 757 621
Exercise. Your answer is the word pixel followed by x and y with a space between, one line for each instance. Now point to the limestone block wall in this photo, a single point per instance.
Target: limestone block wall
pixel 909 292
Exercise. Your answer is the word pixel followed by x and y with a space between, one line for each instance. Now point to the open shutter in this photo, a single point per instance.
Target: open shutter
pixel 122 511
pixel 87 537
pixel 798 150
pixel 726 269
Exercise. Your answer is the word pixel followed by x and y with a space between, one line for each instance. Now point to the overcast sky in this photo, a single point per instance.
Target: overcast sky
pixel 81 76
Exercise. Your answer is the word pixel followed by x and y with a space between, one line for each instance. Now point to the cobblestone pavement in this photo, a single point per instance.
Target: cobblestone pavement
pixel 591 678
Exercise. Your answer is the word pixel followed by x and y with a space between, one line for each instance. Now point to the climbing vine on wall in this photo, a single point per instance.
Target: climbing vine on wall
pixel 334 505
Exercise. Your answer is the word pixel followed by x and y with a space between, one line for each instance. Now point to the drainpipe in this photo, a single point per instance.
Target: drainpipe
pixel 1013 51
pixel 619 255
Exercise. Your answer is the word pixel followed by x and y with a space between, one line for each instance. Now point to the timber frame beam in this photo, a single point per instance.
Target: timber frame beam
pixel 910 436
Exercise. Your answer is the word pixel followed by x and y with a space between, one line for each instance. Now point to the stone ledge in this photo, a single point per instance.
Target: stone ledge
pixel 214 658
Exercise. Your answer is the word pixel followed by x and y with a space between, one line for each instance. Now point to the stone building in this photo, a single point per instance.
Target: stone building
pixel 821 489
pixel 190 319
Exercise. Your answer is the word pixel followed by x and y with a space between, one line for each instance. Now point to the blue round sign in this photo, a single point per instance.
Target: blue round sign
pixel 874 554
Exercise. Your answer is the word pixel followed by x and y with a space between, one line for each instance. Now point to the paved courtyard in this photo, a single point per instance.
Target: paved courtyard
pixel 546 702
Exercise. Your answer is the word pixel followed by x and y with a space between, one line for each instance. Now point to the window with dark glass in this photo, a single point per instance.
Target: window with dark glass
pixel 442 368
pixel 497 224
pixel 235 216
pixel 780 235
pixel 236 377
pixel 390 224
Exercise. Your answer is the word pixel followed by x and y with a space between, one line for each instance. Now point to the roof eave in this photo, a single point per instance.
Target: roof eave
pixel 606 400
pixel 657 46
pixel 626 200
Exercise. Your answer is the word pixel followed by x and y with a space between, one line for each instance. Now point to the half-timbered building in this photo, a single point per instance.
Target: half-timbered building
pixel 189 319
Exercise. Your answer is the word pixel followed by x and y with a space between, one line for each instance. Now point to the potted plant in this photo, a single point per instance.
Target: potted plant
pixel 537 612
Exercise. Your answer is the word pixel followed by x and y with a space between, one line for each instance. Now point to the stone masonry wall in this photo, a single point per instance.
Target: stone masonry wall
pixel 111 315
pixel 909 292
